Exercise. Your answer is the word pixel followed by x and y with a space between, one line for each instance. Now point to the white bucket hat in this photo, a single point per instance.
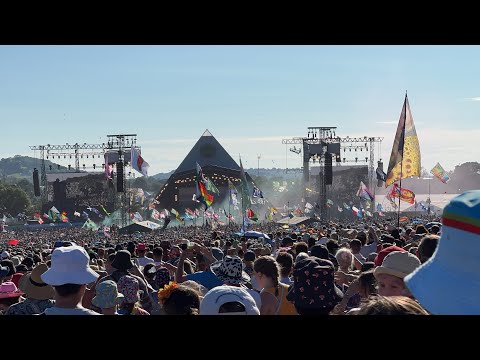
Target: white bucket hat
pixel 221 295
pixel 69 266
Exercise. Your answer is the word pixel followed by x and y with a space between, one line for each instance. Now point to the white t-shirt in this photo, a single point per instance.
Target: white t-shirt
pixel 142 261
pixel 69 311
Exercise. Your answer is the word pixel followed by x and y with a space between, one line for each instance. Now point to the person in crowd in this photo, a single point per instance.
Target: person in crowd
pixel 228 300
pixel 390 305
pixel 129 286
pixel 313 291
pixel 107 298
pixel 393 270
pixel 448 283
pixel 39 296
pixel 178 299
pixel 69 275
pixel 274 293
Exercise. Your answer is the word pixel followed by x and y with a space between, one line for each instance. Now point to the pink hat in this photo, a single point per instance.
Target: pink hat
pixel 141 247
pixel 8 290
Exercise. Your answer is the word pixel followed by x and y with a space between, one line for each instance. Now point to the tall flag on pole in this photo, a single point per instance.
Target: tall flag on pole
pixel 405 156
pixel 138 163
pixel 440 173
pixel 364 193
pixel 211 187
pixel 202 195
pixel 246 200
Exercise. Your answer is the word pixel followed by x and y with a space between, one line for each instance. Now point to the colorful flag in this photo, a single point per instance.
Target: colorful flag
pixel 404 194
pixel 106 231
pixel 155 214
pixel 257 192
pixel 403 219
pixel 211 186
pixel 346 206
pixel 106 212
pixel 202 195
pixel 138 163
pixel 251 215
pixel 329 202
pixel 245 189
pixel 77 214
pixel 339 208
pixel 364 193
pixel 379 207
pixel 405 157
pixel 89 224
pixel 440 173
pixel 39 218
pixel 13 242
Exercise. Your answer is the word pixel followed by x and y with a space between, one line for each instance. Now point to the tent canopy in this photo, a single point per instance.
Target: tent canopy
pixel 130 229
pixel 297 220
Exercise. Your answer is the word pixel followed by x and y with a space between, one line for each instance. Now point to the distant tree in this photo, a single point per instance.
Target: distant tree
pixel 13 199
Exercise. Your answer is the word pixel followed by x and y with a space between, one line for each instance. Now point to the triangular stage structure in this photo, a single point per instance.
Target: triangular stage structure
pixel 207 151
pixel 217 165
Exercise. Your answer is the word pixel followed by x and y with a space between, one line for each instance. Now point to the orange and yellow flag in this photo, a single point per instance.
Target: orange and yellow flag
pixel 405 157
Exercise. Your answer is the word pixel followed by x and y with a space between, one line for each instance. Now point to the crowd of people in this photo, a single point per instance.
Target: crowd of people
pixel 325 269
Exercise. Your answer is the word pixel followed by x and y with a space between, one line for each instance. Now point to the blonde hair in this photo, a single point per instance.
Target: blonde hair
pixel 391 305
pixel 344 257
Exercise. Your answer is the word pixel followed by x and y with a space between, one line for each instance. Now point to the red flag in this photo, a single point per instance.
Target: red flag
pixel 13 242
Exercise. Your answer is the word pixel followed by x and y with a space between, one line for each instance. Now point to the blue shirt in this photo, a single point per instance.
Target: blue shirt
pixel 205 278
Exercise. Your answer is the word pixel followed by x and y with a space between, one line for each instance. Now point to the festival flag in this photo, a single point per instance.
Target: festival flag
pixel 355 210
pixel 257 193
pixel 329 203
pixel 405 157
pixel 251 215
pixel 138 163
pixel 404 194
pixel 290 214
pixel 346 206
pixel 389 198
pixel 403 219
pixel 364 193
pixel 45 216
pixel 106 231
pixel 190 211
pixel 381 214
pixel 211 186
pixel 64 218
pixel 137 217
pixel 156 214
pixel 13 242
pixel 151 206
pixel 339 208
pixel 39 218
pixel 77 214
pixel 90 225
pixel 368 213
pixel 85 214
pixel 379 208
pixel 274 211
pixel 105 210
pixel 245 189
pixel 202 195
pixel 440 173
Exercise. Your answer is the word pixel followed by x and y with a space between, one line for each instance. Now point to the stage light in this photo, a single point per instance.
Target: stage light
pixel 366 159
pixel 50 166
pixel 356 159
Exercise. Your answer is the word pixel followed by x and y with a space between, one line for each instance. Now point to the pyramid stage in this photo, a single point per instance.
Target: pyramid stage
pixel 216 164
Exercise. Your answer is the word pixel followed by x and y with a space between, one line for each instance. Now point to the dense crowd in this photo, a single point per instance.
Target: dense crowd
pixel 334 268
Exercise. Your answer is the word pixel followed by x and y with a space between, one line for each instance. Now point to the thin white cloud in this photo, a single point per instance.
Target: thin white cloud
pixel 477 98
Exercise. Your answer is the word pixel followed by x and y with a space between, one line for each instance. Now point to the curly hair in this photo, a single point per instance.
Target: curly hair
pixel 182 301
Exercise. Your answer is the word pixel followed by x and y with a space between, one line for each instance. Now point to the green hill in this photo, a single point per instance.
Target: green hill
pixel 21 167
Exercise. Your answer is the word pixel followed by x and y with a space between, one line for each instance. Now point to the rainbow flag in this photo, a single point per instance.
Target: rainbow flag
pixel 440 173
pixel 202 195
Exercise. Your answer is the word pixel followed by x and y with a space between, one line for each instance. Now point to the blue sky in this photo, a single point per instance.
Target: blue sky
pixel 249 97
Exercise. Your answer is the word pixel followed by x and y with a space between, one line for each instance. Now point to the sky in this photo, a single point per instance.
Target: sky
pixel 248 97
